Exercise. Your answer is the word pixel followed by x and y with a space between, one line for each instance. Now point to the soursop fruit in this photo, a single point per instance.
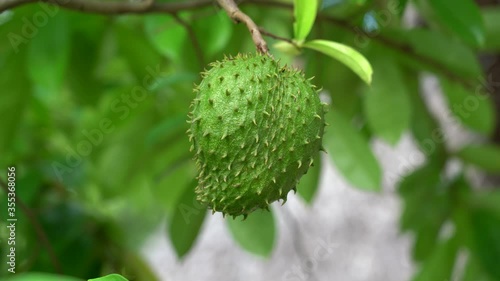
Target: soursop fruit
pixel 255 128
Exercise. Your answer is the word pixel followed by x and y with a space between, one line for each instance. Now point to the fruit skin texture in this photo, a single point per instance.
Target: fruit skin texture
pixel 255 128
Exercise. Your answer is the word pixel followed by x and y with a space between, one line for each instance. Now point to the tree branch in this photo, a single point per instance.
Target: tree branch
pixel 150 6
pixel 237 15
pixel 113 8
pixel 40 233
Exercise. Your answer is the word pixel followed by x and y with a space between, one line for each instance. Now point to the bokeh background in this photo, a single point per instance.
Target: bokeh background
pixel 94 104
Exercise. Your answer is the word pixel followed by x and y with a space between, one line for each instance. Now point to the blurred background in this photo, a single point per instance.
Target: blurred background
pixel 94 101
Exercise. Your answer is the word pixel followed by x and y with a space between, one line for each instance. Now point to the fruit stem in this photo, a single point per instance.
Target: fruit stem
pixel 237 16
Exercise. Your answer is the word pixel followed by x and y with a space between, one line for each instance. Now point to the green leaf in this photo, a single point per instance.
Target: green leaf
pixel 13 102
pixel 474 272
pixel 387 103
pixel 141 56
pixel 477 218
pixel 485 244
pixel 484 156
pixel 186 221
pixel 48 57
pixel 110 277
pixel 213 32
pixel 351 153
pixel 428 45
pixel 32 276
pixel 308 184
pixel 474 109
pixel 345 54
pixel 426 207
pixel 492 25
pixel 256 233
pixel 166 35
pixel 462 17
pixel 305 14
pixel 439 265
pixel 424 126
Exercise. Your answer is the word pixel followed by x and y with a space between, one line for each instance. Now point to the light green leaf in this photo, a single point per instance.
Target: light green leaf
pixel 474 109
pixel 186 222
pixel 305 14
pixel 439 265
pixel 110 277
pixel 308 184
pixel 351 153
pixel 486 156
pixel 32 276
pixel 286 48
pixel 345 54
pixel 387 102
pixel 462 17
pixel 256 233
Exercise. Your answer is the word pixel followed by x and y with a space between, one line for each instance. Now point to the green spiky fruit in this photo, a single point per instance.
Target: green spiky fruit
pixel 255 127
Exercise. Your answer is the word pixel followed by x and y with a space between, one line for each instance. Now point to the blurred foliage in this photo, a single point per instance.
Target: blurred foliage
pixel 94 118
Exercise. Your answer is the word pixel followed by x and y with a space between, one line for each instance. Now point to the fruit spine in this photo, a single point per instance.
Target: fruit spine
pixel 255 128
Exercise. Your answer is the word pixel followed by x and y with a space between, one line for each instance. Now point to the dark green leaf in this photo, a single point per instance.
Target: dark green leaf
pixel 474 272
pixel 425 207
pixel 430 50
pixel 144 63
pixel 424 126
pixel 485 244
pixel 474 109
pixel 484 156
pixel 387 104
pixel 462 17
pixel 186 222
pixel 308 184
pixel 12 102
pixel 256 233
pixel 439 265
pixel 351 153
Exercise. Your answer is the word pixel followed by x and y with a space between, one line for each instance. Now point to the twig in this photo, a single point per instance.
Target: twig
pixel 196 44
pixel 40 233
pixel 380 38
pixel 237 15
pixel 274 36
